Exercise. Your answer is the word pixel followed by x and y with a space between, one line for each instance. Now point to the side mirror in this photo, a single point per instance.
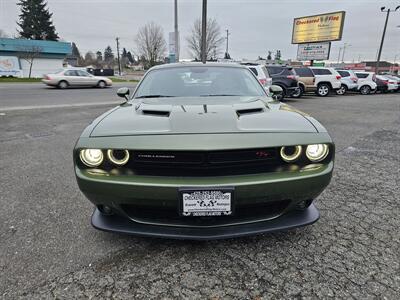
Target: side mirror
pixel 276 91
pixel 123 93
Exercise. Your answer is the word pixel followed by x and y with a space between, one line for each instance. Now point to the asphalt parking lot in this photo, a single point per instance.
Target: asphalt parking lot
pixel 49 249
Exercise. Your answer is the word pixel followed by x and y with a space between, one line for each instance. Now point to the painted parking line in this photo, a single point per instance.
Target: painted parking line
pixel 32 107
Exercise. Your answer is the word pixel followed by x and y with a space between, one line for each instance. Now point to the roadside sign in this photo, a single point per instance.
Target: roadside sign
pixel 319 64
pixel 9 66
pixel 314 51
pixel 318 28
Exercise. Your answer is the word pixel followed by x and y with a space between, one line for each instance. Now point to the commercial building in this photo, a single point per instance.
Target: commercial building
pixel 19 57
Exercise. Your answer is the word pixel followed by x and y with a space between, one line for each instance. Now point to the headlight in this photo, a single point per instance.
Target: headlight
pixel 317 152
pixel 290 153
pixel 91 157
pixel 118 157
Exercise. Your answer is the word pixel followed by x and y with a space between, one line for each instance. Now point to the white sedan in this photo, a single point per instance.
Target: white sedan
pixel 75 78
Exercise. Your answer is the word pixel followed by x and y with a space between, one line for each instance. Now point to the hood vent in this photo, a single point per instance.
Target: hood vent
pixel 160 113
pixel 249 111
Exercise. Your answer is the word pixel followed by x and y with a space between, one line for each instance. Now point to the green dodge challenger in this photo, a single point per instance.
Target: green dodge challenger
pixel 202 151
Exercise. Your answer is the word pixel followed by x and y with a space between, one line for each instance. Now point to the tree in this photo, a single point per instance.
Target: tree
pixel 99 56
pixel 124 57
pixel 35 21
pixel 150 43
pixel 278 55
pixel 130 57
pixel 29 53
pixel 269 57
pixel 90 58
pixel 214 39
pixel 108 54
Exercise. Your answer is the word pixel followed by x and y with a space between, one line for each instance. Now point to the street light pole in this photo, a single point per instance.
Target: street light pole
pixel 227 43
pixel 344 50
pixel 388 11
pixel 176 31
pixel 204 33
pixel 340 51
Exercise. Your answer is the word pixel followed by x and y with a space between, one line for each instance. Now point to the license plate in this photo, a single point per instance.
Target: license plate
pixel 207 202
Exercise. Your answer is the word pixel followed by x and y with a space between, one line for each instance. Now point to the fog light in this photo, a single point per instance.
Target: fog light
pixel 118 157
pixel 91 157
pixel 290 153
pixel 105 210
pixel 317 152
pixel 304 204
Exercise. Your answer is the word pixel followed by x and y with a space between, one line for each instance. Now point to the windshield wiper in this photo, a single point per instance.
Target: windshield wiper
pixel 154 96
pixel 218 95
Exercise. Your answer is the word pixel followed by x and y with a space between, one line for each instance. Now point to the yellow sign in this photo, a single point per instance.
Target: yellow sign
pixel 318 28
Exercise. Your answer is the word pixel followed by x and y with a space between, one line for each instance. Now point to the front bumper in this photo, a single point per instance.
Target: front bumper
pixel 163 192
pixel 291 220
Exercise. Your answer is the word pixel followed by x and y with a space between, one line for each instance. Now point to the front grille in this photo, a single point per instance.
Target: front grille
pixel 170 215
pixel 204 163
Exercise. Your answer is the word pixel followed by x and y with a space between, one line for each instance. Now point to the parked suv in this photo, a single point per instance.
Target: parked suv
pixel 286 78
pixel 366 82
pixel 326 80
pixel 349 81
pixel 261 73
pixel 306 80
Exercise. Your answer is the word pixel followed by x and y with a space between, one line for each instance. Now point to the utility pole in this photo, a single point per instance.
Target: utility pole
pixel 227 44
pixel 387 11
pixel 119 64
pixel 176 32
pixel 204 33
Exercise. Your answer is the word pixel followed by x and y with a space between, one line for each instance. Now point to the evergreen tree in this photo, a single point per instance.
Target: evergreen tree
pixel 99 56
pixel 130 57
pixel 124 53
pixel 108 54
pixel 75 51
pixel 35 21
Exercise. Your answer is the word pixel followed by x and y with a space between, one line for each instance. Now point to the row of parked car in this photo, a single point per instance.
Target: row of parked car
pixel 296 81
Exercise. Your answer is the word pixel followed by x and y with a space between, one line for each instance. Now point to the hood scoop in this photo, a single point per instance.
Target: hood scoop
pixel 249 111
pixel 250 108
pixel 154 110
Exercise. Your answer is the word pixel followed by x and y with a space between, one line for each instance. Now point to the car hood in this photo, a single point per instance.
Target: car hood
pixel 202 115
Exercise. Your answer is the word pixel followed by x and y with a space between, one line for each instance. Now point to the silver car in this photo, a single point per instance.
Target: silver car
pixel 75 78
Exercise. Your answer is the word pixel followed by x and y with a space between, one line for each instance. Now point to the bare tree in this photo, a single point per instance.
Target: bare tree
pixel 29 53
pixel 150 43
pixel 214 39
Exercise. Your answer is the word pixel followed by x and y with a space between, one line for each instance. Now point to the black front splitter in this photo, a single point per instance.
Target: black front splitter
pixel 115 223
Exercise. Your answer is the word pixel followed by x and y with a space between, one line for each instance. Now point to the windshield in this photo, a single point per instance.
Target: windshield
pixel 199 81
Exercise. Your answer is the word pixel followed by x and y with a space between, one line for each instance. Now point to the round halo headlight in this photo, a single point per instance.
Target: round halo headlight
pixel 91 157
pixel 118 157
pixel 291 153
pixel 317 152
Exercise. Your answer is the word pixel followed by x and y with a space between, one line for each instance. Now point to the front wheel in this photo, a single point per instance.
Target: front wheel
pixel 101 84
pixel 365 90
pixel 298 93
pixel 323 90
pixel 342 90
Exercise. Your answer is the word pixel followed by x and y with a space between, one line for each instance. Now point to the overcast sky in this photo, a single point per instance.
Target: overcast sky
pixel 255 26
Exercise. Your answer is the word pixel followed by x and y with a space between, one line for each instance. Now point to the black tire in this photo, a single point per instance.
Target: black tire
pixel 342 91
pixel 365 90
pixel 323 90
pixel 62 84
pixel 101 84
pixel 299 92
pixel 282 96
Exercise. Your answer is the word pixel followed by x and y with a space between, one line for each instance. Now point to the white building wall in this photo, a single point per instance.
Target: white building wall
pixel 41 66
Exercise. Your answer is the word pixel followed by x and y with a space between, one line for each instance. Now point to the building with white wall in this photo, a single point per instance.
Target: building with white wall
pixel 19 57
